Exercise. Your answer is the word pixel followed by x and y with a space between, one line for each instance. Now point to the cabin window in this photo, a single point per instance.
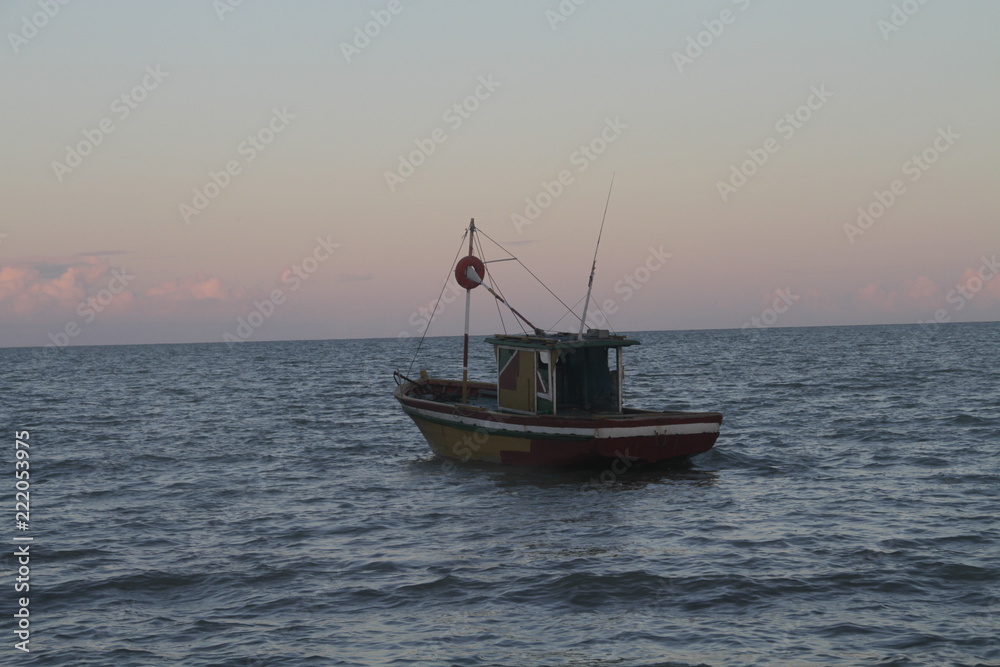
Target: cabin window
pixel 584 381
pixel 616 379
pixel 543 383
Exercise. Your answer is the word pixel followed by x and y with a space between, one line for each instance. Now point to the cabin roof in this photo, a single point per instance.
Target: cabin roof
pixel 562 340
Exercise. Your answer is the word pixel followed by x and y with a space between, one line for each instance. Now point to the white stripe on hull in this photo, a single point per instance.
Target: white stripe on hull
pixel 533 431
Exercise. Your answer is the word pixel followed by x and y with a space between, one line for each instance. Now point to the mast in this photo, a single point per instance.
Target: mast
pixel 468 303
pixel 593 267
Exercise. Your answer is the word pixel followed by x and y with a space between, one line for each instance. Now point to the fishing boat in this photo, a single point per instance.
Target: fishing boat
pixel 557 400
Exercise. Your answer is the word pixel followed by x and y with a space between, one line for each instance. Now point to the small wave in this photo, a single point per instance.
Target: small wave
pixel 967 419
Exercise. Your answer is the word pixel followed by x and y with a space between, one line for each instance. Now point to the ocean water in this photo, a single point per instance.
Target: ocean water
pixel 269 504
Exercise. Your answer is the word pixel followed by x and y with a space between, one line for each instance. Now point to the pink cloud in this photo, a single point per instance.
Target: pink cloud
pixel 992 290
pixel 25 289
pixel 14 280
pixel 920 293
pixel 37 285
pixel 876 296
pixel 188 289
pixel 983 292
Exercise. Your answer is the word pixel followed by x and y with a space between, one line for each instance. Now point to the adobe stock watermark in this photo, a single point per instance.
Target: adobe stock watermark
pixel 268 652
pixel 619 466
pixel 31 26
pixel 455 116
pixel 122 107
pixel 987 621
pixel 786 127
pixel 665 596
pixel 629 284
pixel 703 40
pixel 915 168
pixel 470 621
pixel 91 307
pixel 294 277
pixel 363 35
pixel 783 300
pixel 564 10
pixel 463 449
pixel 899 17
pixel 581 158
pixel 964 292
pixel 120 616
pixel 248 150
pixel 424 315
pixel 223 7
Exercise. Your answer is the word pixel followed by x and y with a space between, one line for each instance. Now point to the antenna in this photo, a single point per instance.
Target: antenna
pixel 593 267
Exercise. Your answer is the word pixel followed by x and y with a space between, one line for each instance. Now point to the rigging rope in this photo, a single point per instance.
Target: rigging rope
pixel 437 303
pixel 493 283
pixel 568 311
pixel 531 273
pixel 603 314
pixel 596 305
pixel 495 286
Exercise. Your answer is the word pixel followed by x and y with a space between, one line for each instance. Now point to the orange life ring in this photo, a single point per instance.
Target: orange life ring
pixel 462 267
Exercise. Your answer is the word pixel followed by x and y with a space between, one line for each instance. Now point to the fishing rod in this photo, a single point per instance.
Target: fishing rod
pixel 593 267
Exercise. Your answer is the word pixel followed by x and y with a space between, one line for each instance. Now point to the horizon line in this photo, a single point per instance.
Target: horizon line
pixel 627 331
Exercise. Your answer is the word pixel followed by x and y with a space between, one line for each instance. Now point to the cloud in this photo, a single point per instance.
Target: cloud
pixel 60 286
pixel 876 296
pixel 983 292
pixel 191 289
pixel 920 293
pixel 32 286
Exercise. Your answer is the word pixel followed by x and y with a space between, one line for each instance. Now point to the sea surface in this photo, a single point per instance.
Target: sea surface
pixel 269 504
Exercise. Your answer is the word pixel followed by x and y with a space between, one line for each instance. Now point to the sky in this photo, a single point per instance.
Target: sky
pixel 249 170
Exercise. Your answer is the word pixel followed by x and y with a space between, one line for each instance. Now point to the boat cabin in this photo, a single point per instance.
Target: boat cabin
pixel 560 373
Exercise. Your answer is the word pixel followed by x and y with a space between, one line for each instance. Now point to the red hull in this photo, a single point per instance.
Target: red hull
pixel 474 432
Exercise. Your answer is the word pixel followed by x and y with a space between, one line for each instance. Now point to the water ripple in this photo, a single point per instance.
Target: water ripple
pixel 268 504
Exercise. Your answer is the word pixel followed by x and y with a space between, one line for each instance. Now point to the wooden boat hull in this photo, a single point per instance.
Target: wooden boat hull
pixel 467 432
